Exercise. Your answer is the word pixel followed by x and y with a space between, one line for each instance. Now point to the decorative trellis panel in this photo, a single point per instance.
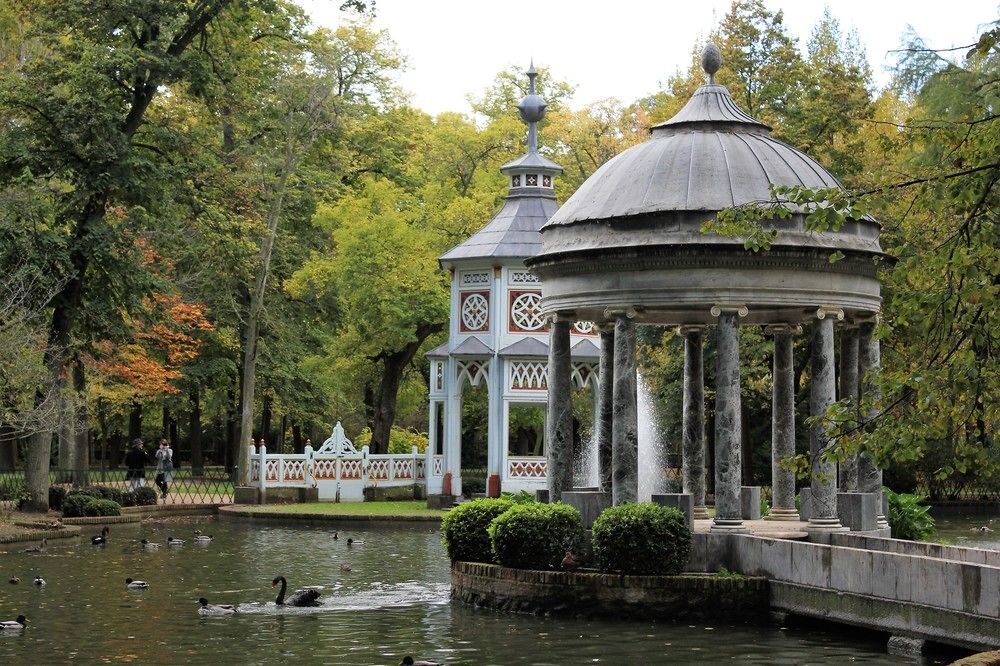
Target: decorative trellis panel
pixel 438 466
pixel 474 311
pixel 421 468
pixel 472 371
pixel 271 470
pixel 378 470
pixel 523 278
pixel 324 470
pixel 525 312
pixel 255 470
pixel 528 376
pixel 293 470
pixel 526 468
pixel 350 469
pixel 402 469
pixel 584 374
pixel 584 328
pixel 474 279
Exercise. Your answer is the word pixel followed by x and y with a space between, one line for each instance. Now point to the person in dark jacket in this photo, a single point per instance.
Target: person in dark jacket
pixel 135 464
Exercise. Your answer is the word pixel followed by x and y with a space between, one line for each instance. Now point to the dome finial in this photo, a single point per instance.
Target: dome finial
pixel 532 109
pixel 711 60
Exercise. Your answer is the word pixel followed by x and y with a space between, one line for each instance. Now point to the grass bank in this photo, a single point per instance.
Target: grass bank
pixel 408 510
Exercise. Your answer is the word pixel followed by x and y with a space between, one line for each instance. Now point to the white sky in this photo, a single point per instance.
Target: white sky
pixel 618 48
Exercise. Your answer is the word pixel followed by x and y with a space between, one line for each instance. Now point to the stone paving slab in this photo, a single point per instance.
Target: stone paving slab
pixel 775 529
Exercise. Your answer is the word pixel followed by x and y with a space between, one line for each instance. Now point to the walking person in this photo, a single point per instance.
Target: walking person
pixel 135 464
pixel 164 467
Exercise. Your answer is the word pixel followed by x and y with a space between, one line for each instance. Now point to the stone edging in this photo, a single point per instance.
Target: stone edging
pixel 234 511
pixel 33 533
pixel 586 594
pixel 102 520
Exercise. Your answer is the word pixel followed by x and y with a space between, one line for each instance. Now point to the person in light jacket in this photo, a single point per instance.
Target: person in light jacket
pixel 164 467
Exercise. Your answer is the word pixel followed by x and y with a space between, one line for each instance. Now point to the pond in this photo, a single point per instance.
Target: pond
pixel 393 602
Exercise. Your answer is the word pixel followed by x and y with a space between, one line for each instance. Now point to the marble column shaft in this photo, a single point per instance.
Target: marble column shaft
pixel 782 427
pixel 728 424
pixel 822 394
pixel 693 420
pixel 605 416
pixel 869 360
pixel 625 424
pixel 849 391
pixel 559 417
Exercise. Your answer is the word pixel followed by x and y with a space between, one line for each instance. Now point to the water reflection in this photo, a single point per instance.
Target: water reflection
pixel 393 602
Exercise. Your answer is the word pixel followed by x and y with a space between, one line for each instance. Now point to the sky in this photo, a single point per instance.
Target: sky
pixel 619 48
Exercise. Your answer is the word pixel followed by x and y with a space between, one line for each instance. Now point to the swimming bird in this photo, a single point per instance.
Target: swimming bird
pixel 307 597
pixel 136 584
pixel 203 538
pixel 215 609
pixel 174 542
pixel 569 562
pixel 100 540
pixel 344 568
pixel 355 542
pixel 408 661
pixel 149 545
pixel 37 549
pixel 39 581
pixel 14 625
pixel 14 580
pixel 984 529
pixel 336 535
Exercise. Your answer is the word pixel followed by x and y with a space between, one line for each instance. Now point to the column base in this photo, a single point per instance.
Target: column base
pixel 729 526
pixel 881 523
pixel 826 525
pixel 701 513
pixel 782 514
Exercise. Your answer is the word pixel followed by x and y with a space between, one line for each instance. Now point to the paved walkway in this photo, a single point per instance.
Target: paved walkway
pixel 775 529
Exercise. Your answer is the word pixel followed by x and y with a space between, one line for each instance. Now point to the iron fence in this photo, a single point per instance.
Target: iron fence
pixel 952 490
pixel 213 485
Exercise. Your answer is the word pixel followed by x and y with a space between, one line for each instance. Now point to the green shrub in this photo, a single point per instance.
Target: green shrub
pixel 643 539
pixel 401 440
pixel 13 491
pixel 144 496
pixel 104 492
pixel 520 497
pixel 75 504
pixel 909 517
pixel 473 485
pixel 536 536
pixel 91 491
pixel 463 530
pixel 102 507
pixel 126 498
pixel 57 495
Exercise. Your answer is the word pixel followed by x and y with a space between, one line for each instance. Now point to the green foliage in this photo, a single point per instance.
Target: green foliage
pixel 145 496
pixel 76 503
pixel 909 517
pixel 102 507
pixel 535 536
pixel 473 485
pixel 520 497
pixel 726 574
pixel 641 539
pixel 401 440
pixel 57 495
pixel 464 529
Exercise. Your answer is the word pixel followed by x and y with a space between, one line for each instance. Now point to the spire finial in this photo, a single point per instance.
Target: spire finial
pixel 532 109
pixel 711 60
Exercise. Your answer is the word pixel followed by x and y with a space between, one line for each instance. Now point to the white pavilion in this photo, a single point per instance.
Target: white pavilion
pixel 497 336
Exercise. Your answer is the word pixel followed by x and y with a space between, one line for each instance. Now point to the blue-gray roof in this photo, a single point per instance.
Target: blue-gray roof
pixel 512 233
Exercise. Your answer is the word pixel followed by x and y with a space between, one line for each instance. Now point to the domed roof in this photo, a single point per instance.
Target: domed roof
pixel 708 157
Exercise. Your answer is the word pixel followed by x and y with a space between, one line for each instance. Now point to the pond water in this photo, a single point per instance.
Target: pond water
pixel 966 531
pixel 393 602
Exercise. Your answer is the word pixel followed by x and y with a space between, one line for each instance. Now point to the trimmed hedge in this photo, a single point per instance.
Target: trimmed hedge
pixel 75 503
pixel 144 496
pixel 57 495
pixel 102 507
pixel 641 539
pixel 536 536
pixel 463 529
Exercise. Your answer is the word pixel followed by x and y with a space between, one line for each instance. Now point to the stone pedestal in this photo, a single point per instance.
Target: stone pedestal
pixel 750 502
pixel 683 502
pixel 693 419
pixel 559 416
pixel 605 411
pixel 822 394
pixel 782 425
pixel 728 429
pixel 590 504
pixel 857 511
pixel 625 426
pixel 441 502
pixel 542 496
pixel 246 495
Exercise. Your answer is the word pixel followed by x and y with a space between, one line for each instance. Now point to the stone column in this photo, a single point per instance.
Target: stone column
pixel 848 472
pixel 559 417
pixel 822 394
pixel 869 360
pixel 625 423
pixel 693 419
pixel 728 427
pixel 782 424
pixel 604 416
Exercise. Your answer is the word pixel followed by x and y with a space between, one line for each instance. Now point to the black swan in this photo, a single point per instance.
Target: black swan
pixel 100 540
pixel 307 597
pixel 215 609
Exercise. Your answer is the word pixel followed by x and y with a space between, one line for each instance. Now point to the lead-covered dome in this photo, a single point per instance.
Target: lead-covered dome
pixel 630 236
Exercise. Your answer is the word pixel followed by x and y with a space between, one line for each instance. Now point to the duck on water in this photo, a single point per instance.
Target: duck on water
pixel 307 597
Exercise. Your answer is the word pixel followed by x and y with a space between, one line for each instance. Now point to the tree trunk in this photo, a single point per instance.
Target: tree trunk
pixel 265 420
pixel 232 433
pixel 281 435
pixel 36 470
pixel 393 366
pixel 297 444
pixel 194 433
pixel 81 461
pixel 67 438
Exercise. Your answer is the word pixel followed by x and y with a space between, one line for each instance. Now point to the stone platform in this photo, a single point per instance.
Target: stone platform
pixel 773 529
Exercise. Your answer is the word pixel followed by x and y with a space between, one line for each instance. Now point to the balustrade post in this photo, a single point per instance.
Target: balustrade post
pixel 307 467
pixel 416 458
pixel 262 466
pixel 365 467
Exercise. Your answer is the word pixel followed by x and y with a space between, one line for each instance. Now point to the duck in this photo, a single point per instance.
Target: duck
pixel 336 535
pixel 344 568
pixel 14 625
pixel 307 597
pixel 355 542
pixel 136 584
pixel 203 538
pixel 37 549
pixel 174 542
pixel 985 529
pixel 149 545
pixel 39 581
pixel 408 661
pixel 215 609
pixel 14 580
pixel 102 539
pixel 570 562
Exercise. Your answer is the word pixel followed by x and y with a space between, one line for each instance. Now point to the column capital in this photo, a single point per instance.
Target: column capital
pixel 823 311
pixel 684 329
pixel 615 313
pixel 738 308
pixel 791 329
pixel 553 317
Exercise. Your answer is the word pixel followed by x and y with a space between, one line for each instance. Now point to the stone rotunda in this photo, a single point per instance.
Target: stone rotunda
pixel 627 248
